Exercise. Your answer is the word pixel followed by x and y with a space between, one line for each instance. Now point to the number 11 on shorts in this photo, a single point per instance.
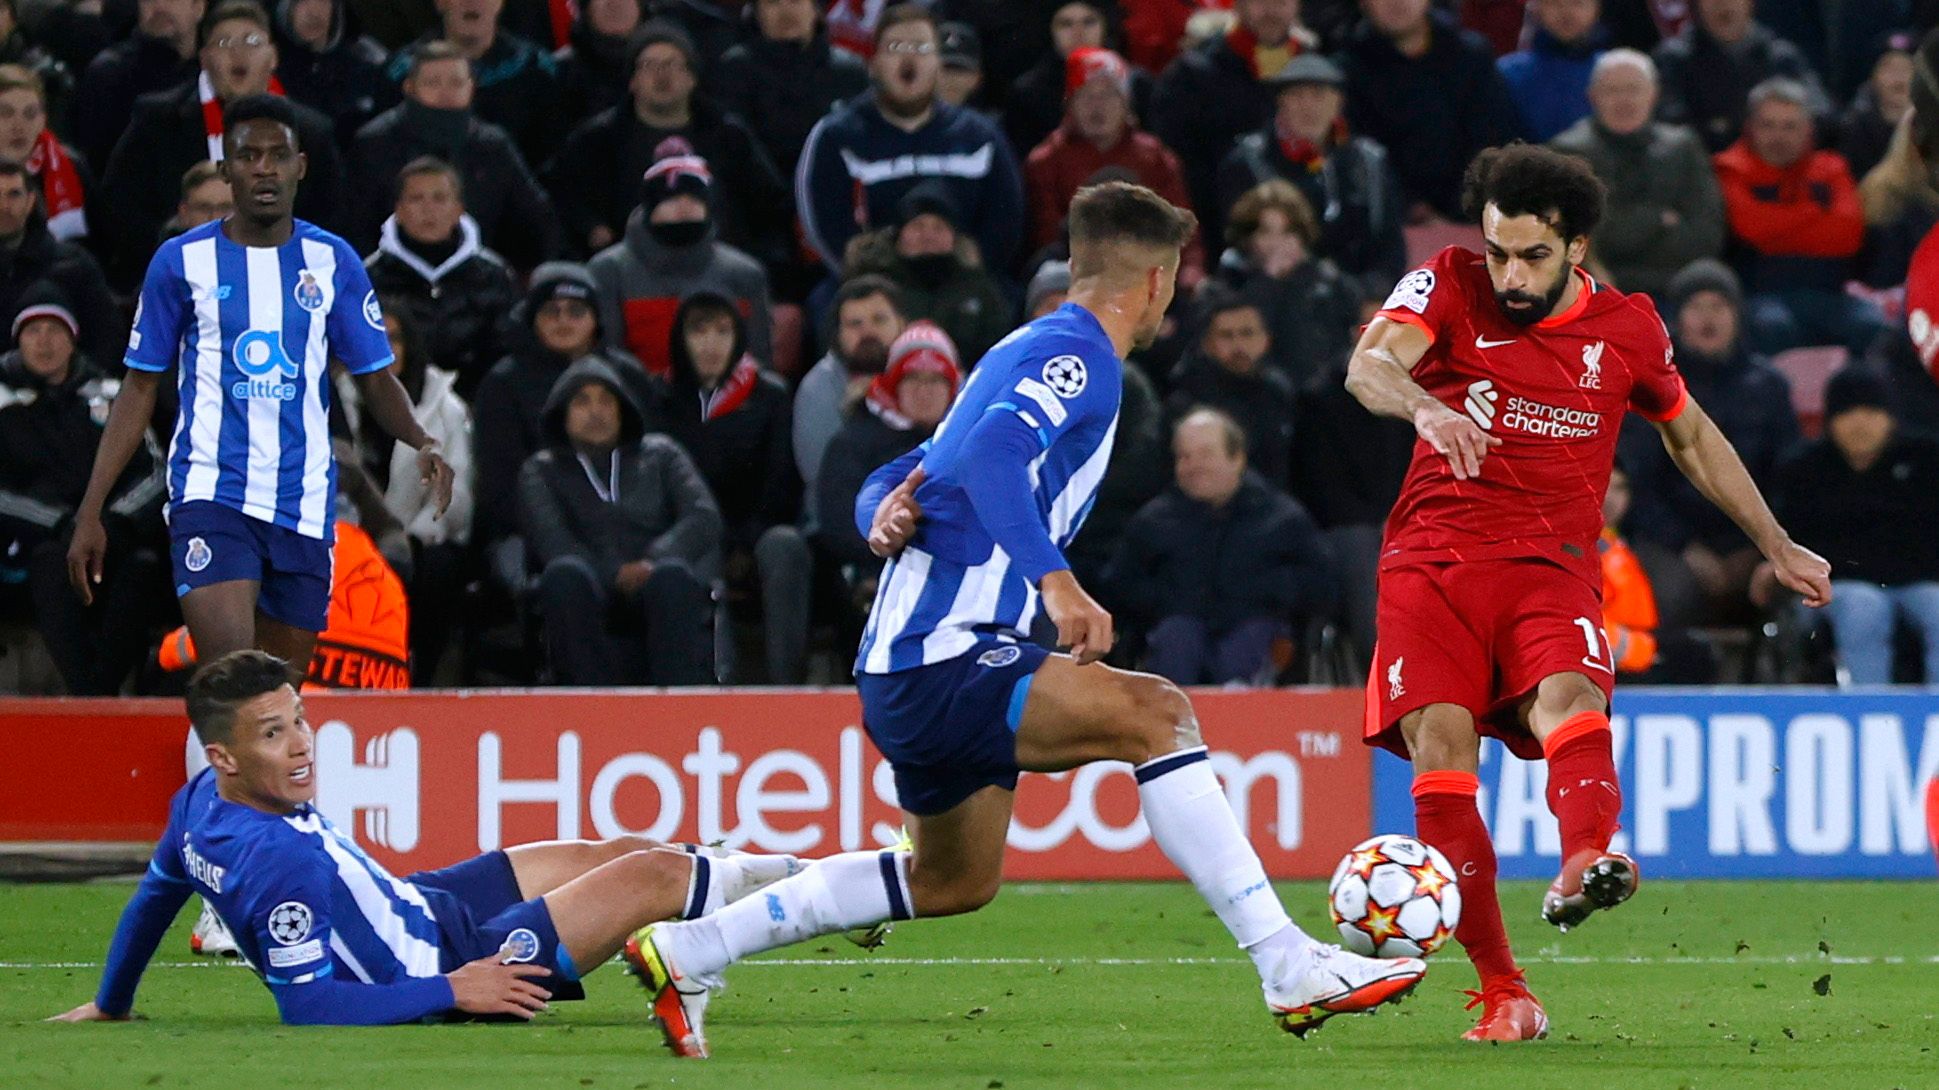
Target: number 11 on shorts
pixel 1600 656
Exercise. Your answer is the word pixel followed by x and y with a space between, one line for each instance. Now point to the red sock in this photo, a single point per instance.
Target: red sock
pixel 1932 812
pixel 1445 816
pixel 1583 793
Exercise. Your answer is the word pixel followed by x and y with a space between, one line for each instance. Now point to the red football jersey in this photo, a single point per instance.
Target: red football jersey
pixel 1554 393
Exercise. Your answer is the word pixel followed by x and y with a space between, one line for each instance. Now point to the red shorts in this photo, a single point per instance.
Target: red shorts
pixel 1481 634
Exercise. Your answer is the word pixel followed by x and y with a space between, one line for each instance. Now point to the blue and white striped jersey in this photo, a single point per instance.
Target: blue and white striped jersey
pixel 1010 475
pixel 252 330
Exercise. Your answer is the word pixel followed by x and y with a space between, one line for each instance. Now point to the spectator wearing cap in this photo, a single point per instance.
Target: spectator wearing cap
pixel 65 182
pixel 1698 560
pixel 595 177
pixel 961 78
pixel 1099 131
pixel 1796 225
pixel 1428 91
pixel 173 130
pixel 1664 209
pixel 1881 102
pixel 901 407
pixel 1035 105
pixel 1866 498
pixel 672 248
pixel 1709 69
pixel 325 66
pixel 436 119
pixel 1549 80
pixel 938 270
pixel 1312 309
pixel 862 159
pixel 206 197
pixel 29 254
pixel 733 417
pixel 1228 370
pixel 518 85
pixel 592 64
pixel 1348 180
pixel 53 405
pixel 430 259
pixel 625 538
pixel 785 77
pixel 158 56
pixel 1216 93
pixel 1216 568
pixel 868 316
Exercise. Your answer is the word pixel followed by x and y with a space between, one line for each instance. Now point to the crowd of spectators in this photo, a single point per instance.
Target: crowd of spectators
pixel 669 278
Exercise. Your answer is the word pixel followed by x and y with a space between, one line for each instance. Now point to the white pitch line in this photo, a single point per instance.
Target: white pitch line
pixel 1793 959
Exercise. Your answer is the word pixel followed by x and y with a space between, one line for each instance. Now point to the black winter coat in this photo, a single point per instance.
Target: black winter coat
pixel 1205 101
pixel 1347 463
pixel 41 256
pixel 1261 402
pixel 462 305
pixel 1880 526
pixel 344 81
pixel 48 436
pixel 1354 194
pixel 780 89
pixel 104 101
pixel 863 444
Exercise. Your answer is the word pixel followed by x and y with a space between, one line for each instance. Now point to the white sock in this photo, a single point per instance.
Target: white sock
pixel 721 877
pixel 1193 825
pixel 854 889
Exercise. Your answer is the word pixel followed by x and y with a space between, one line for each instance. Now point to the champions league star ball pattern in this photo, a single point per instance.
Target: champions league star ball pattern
pixel 1394 897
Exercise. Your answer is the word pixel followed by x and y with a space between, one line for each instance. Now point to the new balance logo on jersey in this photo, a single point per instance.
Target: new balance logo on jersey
pixel 1591 367
pixel 1395 690
pixel 1481 403
pixel 384 786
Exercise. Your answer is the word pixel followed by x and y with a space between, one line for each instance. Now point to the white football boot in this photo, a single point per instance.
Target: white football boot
pixel 1334 981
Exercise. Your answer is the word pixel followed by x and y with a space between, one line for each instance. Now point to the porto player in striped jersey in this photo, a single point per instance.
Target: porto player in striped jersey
pixel 1516 367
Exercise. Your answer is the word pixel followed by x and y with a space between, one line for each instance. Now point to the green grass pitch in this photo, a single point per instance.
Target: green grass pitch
pixel 1828 985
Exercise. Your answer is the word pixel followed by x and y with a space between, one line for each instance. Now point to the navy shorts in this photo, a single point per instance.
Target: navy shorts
pixel 949 729
pixel 213 543
pixel 483 915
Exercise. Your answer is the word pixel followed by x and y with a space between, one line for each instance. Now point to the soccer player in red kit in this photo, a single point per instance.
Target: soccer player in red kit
pixel 1516 368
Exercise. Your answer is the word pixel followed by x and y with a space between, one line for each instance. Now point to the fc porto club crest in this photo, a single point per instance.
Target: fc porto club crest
pixel 198 555
pixel 308 293
pixel 519 946
pixel 999 657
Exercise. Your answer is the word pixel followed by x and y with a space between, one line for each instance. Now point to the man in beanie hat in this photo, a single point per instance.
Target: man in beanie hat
pixel 1866 497
pixel 594 178
pixel 518 85
pixel 672 248
pixel 1698 559
pixel 1099 131
pixel 53 402
pixel 938 267
pixel 1347 179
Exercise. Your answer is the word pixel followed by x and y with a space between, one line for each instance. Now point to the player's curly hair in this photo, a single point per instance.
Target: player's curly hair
pixel 1528 179
pixel 224 685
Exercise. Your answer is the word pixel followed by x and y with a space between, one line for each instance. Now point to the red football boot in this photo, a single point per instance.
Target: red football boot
pixel 1508 1012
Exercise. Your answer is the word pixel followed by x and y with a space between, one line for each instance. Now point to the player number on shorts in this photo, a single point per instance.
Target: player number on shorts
pixel 1599 656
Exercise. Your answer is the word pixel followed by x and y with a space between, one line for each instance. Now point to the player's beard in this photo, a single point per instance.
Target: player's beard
pixel 1544 305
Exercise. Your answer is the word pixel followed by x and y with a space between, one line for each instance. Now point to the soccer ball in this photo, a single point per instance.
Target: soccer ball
pixel 1394 897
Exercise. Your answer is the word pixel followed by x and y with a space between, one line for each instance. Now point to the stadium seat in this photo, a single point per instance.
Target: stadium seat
pixel 1809 370
pixel 1427 239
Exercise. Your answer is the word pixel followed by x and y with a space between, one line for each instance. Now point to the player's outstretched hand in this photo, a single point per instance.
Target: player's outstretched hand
pixel 491 986
pixel 1803 571
pixel 437 475
pixel 1455 437
pixel 85 554
pixel 1082 624
pixel 88 1012
pixel 896 517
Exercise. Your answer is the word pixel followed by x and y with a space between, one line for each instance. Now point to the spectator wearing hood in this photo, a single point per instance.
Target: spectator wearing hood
pixel 1796 225
pixel 1312 309
pixel 1347 179
pixel 430 258
pixel 1697 558
pixel 594 177
pixel 329 69
pixel 938 269
pixel 733 418
pixel 1866 498
pixel 901 408
pixel 173 130
pixel 671 250
pixel 869 315
pixel 518 87
pixel 1099 131
pixel 53 405
pixel 592 63
pixel 1229 372
pixel 1549 80
pixel 625 536
pixel 64 181
pixel 1664 209
pixel 784 78
pixel 29 253
pixel 1710 68
pixel 1218 565
pixel 1219 91
pixel 436 119
pixel 851 178
pixel 159 55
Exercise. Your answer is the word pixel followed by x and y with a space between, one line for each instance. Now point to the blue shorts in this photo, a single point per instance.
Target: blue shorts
pixel 949 729
pixel 481 914
pixel 213 543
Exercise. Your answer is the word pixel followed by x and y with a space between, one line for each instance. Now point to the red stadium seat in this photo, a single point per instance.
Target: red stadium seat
pixel 1427 239
pixel 1809 370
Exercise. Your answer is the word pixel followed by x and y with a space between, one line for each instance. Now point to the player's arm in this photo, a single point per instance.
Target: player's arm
pixel 390 406
pixel 128 420
pixel 1706 457
pixel 147 917
pixel 886 511
pixel 1381 377
pixel 355 326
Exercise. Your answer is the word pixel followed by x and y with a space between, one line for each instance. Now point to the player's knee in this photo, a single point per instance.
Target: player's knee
pixel 1164 723
pixel 1563 695
pixel 954 896
pixel 1441 739
pixel 649 870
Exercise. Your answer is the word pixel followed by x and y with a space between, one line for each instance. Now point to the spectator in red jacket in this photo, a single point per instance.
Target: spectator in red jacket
pixel 1099 132
pixel 1796 224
